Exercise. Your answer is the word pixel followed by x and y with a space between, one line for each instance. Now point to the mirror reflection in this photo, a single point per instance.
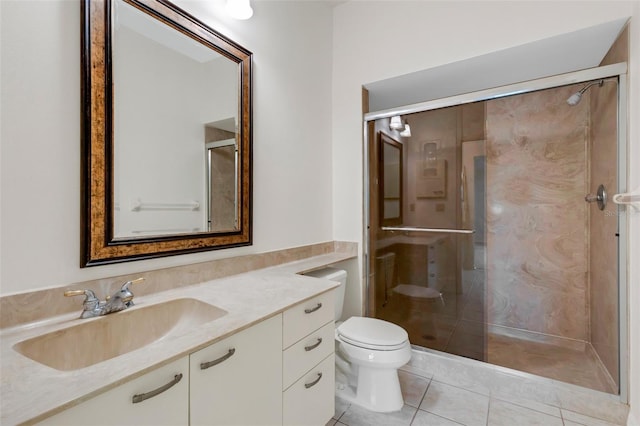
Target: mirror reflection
pixel 174 100
pixel 390 180
pixel 222 163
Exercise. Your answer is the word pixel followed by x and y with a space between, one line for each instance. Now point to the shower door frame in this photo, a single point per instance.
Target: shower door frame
pixel 618 70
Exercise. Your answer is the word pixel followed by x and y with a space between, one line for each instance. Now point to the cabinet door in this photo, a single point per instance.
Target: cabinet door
pixel 165 401
pixel 238 381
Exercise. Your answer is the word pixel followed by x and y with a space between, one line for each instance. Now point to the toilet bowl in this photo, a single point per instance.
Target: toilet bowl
pixel 375 349
pixel 412 305
pixel 369 352
pixel 416 307
pixel 416 297
pixel 419 298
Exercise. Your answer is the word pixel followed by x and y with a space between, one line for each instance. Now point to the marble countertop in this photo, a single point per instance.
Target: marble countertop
pixel 32 391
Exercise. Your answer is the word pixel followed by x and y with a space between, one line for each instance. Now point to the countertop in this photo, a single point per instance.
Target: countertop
pixel 32 391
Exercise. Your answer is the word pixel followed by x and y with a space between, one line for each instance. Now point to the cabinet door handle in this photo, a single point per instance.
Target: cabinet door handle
pixel 144 396
pixel 205 365
pixel 315 345
pixel 311 310
pixel 315 382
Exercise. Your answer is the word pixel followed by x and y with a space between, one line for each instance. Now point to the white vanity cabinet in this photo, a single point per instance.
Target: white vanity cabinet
pixel 278 371
pixel 308 361
pixel 238 380
pixel 162 398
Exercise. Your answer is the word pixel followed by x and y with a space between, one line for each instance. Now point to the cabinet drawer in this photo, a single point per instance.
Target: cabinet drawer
pixel 306 353
pixel 302 319
pixel 310 400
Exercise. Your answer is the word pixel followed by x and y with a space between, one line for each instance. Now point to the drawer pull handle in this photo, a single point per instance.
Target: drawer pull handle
pixel 315 345
pixel 311 310
pixel 315 382
pixel 205 365
pixel 144 396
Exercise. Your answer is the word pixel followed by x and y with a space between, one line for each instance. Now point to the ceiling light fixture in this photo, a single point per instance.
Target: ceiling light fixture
pixel 406 133
pixel 239 9
pixel 396 123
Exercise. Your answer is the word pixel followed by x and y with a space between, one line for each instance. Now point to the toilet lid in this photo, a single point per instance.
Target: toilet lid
pixel 372 333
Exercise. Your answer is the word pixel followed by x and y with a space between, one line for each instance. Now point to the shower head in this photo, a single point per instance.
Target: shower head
pixel 576 97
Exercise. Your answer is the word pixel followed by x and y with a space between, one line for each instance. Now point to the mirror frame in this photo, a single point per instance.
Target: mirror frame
pixel 98 245
pixel 384 139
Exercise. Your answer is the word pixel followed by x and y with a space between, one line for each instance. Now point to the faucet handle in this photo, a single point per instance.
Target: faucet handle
pixel 125 286
pixel 125 294
pixel 90 304
pixel 88 293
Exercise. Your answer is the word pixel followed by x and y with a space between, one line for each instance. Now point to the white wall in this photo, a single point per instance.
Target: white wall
pixel 634 226
pixel 375 40
pixel 40 135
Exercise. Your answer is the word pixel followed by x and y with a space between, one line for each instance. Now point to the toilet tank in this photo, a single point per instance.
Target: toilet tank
pixel 333 274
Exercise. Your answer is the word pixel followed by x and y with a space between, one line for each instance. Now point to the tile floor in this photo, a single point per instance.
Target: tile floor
pixel 431 402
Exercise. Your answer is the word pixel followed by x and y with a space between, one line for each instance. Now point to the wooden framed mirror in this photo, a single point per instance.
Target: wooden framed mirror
pixel 390 180
pixel 159 90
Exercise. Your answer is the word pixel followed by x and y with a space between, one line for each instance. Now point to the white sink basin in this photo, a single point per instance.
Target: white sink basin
pixel 106 337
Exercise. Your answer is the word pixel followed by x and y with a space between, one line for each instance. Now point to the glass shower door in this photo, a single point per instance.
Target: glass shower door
pixel 496 247
pixel 429 258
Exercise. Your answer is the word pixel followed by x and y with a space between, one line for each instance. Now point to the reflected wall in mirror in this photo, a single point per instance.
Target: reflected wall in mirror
pixel 166 133
pixel 431 171
pixel 390 180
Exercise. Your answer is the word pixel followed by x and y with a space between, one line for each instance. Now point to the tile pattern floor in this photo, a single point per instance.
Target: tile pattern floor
pixel 430 402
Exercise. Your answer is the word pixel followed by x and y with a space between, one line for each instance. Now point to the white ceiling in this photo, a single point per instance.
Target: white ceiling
pixel 569 52
pixel 151 28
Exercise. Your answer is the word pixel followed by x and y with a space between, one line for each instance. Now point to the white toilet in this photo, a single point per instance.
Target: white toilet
pixel 369 352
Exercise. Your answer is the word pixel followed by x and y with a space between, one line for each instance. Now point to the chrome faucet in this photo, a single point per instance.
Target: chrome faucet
pixel 92 307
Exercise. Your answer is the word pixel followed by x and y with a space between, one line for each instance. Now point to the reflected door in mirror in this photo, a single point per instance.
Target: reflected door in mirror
pixel 390 180
pixel 222 161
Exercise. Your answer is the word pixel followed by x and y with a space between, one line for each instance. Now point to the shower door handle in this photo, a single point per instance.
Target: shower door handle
pixel 438 230
pixel 599 197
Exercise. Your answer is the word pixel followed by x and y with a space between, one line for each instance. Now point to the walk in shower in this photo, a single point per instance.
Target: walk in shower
pixel 488 236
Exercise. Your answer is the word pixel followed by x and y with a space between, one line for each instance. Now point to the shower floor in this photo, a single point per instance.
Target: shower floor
pixel 459 328
pixel 570 362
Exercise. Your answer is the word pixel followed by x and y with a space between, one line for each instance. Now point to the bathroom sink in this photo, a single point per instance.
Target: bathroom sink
pixel 106 337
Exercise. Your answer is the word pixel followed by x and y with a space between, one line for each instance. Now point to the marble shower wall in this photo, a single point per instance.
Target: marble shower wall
pixel 537 170
pixel 603 224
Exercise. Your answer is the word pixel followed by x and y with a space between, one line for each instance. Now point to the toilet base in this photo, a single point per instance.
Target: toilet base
pixel 368 376
pixel 377 390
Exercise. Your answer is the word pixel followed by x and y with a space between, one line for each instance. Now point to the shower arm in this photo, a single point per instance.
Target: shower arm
pixel 593 83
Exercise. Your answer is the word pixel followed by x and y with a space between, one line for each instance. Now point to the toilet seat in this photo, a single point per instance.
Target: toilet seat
pixel 372 333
